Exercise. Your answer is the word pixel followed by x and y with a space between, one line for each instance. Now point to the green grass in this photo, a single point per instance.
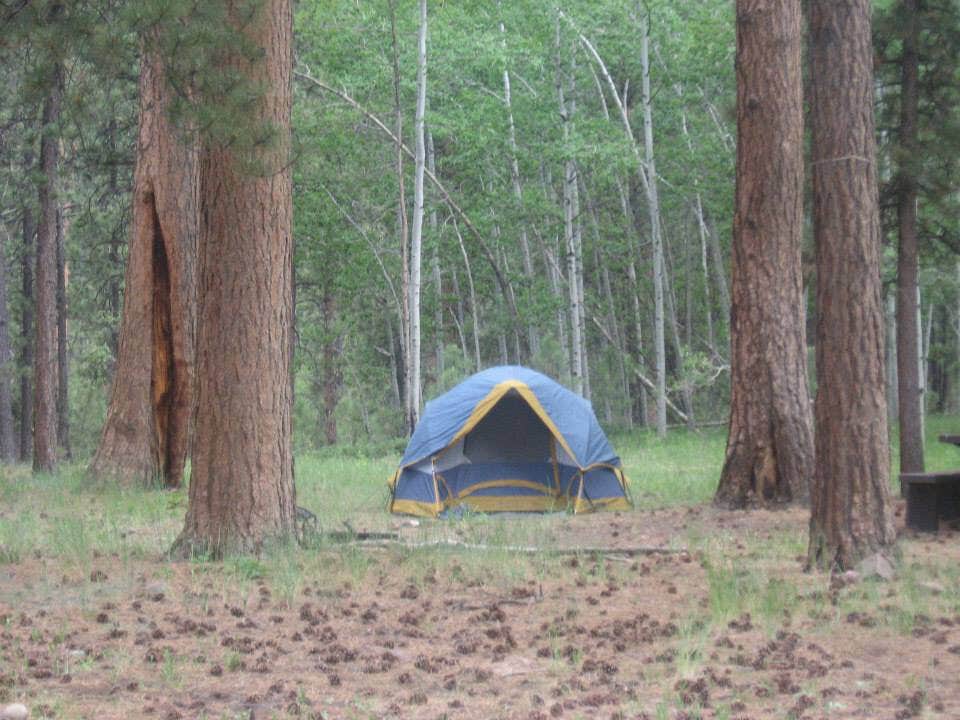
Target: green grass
pixel 69 517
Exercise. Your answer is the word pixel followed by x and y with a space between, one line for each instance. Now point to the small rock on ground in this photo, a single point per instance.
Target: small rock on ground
pixel 14 712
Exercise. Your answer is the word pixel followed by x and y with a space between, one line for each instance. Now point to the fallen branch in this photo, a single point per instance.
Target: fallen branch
pixel 523 549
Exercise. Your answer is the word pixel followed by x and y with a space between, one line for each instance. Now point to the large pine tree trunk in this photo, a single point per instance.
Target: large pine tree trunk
pixel 242 492
pixel 851 514
pixel 8 445
pixel 26 330
pixel 45 339
pixel 909 372
pixel 146 436
pixel 770 443
pixel 63 363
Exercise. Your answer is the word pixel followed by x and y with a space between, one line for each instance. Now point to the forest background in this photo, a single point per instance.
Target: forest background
pixel 537 247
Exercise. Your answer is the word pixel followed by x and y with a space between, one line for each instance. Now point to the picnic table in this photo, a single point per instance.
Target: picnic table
pixel 932 496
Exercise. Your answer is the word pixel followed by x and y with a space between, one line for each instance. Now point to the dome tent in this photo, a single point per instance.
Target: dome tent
pixel 508 439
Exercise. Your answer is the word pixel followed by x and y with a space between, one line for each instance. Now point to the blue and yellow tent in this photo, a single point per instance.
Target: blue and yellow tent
pixel 508 439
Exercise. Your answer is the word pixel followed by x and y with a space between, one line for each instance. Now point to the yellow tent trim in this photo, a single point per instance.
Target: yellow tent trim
pixel 415 507
pixel 530 484
pixel 513 503
pixel 614 503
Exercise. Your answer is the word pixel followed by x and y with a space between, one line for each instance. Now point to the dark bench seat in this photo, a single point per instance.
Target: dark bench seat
pixel 931 497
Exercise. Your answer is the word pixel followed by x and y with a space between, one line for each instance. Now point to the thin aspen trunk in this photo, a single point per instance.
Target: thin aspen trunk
pixel 416 239
pixel 629 230
pixel 719 265
pixel 922 346
pixel 618 336
pixel 708 295
pixel 555 276
pixel 571 234
pixel 554 273
pixel 646 169
pixel 653 201
pixel 434 180
pixel 394 368
pixel 502 259
pixel 891 346
pixel 403 231
pixel 671 311
pixel 581 318
pixel 702 230
pixel 689 274
pixel 435 262
pixel 533 337
pixel 515 332
pixel 458 316
pixel 474 308
pixel 627 210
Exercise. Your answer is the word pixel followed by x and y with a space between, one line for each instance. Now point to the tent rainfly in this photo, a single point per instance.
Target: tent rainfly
pixel 508 439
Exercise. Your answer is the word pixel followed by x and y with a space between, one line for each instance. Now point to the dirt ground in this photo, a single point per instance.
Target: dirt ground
pixel 726 625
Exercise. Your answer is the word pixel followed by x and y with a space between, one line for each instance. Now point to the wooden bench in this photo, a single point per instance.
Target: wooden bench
pixel 931 497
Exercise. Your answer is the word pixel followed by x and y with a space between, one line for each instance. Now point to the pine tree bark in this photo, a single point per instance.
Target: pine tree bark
pixel 8 444
pixel 769 457
pixel 45 339
pixel 851 511
pixel 910 388
pixel 242 493
pixel 63 363
pixel 26 330
pixel 146 436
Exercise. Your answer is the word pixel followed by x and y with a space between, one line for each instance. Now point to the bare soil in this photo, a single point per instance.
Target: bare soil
pixel 393 633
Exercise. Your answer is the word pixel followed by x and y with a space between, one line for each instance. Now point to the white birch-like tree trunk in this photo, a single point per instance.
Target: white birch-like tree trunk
pixel 533 337
pixel 416 236
pixel 653 201
pixel 646 169
pixel 402 230
pixel 435 262
pixel 571 211
pixel 473 298
pixel 893 384
pixel 458 314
